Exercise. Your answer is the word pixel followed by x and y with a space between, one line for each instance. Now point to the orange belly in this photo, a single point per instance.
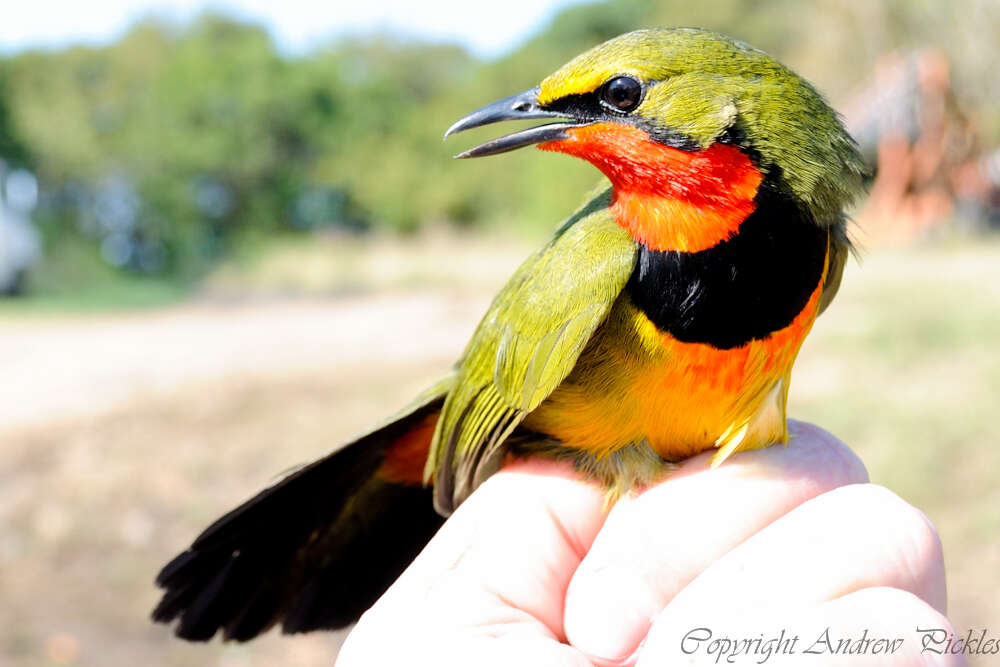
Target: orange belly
pixel 634 383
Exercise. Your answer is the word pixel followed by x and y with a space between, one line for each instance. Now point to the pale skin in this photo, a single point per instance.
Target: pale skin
pixel 533 569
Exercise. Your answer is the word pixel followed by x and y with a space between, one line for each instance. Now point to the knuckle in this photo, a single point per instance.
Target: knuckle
pixel 886 511
pixel 837 458
pixel 898 535
pixel 851 465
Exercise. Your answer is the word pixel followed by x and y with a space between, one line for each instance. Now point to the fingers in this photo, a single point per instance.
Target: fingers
pixel 522 534
pixel 501 563
pixel 850 538
pixel 873 626
pixel 653 545
pixel 768 532
pixel 846 540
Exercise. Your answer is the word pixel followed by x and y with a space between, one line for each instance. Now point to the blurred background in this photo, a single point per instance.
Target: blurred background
pixel 231 237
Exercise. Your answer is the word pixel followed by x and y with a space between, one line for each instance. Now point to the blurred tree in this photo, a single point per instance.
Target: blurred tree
pixel 12 148
pixel 176 142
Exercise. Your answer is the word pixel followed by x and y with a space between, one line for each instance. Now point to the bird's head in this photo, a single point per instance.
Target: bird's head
pixel 689 124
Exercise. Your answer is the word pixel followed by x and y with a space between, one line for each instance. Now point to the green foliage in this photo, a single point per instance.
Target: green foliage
pixel 172 145
pixel 12 148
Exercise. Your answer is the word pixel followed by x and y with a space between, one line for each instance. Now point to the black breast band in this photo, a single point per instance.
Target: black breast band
pixel 742 289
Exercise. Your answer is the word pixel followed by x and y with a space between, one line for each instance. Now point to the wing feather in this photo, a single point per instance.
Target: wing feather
pixel 526 345
pixel 839 249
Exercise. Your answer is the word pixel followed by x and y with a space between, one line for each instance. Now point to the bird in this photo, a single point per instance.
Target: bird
pixel 661 320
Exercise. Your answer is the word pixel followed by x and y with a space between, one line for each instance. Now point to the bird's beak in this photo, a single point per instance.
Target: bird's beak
pixel 523 106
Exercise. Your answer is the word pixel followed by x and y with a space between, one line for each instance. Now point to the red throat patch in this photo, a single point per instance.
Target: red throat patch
pixel 668 199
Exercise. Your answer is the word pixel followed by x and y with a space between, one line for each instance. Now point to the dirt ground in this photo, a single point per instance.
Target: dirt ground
pixel 121 436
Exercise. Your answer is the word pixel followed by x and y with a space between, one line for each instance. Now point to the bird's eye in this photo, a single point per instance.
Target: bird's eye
pixel 621 93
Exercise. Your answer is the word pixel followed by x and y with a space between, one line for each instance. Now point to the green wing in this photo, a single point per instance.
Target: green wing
pixel 840 247
pixel 526 345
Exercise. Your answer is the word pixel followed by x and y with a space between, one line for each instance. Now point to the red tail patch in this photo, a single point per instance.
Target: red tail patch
pixel 404 460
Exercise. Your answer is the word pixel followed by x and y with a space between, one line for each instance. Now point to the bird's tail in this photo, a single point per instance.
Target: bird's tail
pixel 317 549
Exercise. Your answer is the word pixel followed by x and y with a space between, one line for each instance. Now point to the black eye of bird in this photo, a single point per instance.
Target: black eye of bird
pixel 621 93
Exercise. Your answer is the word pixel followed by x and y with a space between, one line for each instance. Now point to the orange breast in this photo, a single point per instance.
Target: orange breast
pixel 634 383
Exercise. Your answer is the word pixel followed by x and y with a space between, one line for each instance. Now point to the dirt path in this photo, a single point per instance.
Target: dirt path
pixel 77 366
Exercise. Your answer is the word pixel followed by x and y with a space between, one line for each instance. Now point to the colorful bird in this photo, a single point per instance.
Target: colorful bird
pixel 661 320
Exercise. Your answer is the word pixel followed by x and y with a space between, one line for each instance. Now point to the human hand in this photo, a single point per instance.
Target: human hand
pixel 532 569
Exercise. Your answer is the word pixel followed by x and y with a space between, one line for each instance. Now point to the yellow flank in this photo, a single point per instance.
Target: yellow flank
pixel 635 383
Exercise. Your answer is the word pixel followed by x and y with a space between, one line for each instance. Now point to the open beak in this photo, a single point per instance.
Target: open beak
pixel 523 106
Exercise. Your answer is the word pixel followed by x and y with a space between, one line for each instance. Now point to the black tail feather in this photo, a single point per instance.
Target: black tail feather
pixel 380 549
pixel 255 618
pixel 312 552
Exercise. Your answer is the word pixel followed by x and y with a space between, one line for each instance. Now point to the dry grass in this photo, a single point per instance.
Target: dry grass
pixel 93 507
pixel 905 368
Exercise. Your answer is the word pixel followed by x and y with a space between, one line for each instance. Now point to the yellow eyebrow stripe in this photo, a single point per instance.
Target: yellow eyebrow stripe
pixel 569 82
